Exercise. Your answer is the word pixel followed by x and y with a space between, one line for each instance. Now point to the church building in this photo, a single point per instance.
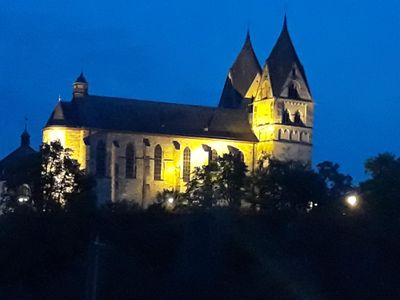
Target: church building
pixel 136 148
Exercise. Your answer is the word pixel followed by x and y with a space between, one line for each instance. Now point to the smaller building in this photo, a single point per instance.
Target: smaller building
pixel 16 168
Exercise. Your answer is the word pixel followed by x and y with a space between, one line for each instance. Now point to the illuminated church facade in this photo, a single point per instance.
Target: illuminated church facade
pixel 137 148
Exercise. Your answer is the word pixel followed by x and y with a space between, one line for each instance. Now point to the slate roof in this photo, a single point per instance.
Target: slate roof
pixel 281 61
pixel 240 76
pixel 119 114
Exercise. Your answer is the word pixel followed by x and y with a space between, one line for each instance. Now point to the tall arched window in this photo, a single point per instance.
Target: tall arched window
pixel 186 165
pixel 157 162
pixel 101 159
pixel 130 161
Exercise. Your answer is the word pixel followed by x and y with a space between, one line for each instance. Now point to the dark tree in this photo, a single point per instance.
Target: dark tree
pixel 59 176
pixel 381 191
pixel 338 184
pixel 285 186
pixel 220 183
pixel 230 179
pixel 55 182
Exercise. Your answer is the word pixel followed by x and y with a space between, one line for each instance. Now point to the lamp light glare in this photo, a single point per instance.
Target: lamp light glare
pixel 22 199
pixel 170 200
pixel 352 200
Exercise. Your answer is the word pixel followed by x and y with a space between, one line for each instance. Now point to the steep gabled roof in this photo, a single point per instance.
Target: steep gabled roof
pixel 118 114
pixel 281 61
pixel 240 77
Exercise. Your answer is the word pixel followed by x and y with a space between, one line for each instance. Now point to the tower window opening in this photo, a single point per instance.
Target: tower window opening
pixel 297 118
pixel 286 117
pixel 292 91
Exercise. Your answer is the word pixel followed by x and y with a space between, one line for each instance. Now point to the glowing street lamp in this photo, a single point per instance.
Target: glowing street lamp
pixel 352 200
pixel 170 200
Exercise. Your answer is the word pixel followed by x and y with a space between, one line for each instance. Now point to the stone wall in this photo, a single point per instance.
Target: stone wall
pixel 143 187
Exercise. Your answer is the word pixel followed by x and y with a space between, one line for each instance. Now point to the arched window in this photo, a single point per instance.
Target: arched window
pixel 186 165
pixel 286 117
pixel 297 118
pixel 130 161
pixel 157 162
pixel 101 159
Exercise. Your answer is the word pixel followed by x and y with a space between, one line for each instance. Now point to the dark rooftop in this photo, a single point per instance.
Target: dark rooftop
pixel 22 153
pixel 119 114
pixel 240 76
pixel 81 78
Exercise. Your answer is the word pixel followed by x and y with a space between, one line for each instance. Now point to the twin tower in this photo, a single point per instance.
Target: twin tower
pixel 277 98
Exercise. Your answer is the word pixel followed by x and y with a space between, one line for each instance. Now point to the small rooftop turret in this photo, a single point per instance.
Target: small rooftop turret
pixel 80 87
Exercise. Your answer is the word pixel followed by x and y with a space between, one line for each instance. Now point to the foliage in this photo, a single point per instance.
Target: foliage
pixel 59 175
pixel 338 184
pixel 285 186
pixel 221 183
pixel 122 207
pixel 230 179
pixel 54 180
pixel 201 187
pixel 382 190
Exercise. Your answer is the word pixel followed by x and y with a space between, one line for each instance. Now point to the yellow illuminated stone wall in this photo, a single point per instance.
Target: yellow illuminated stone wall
pixel 144 188
pixel 71 138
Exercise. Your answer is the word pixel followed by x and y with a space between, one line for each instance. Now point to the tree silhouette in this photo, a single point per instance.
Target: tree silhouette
pixel 220 183
pixel 382 190
pixel 55 182
pixel 338 184
pixel 285 186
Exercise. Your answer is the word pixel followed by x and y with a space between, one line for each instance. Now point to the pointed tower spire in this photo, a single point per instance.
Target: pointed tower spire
pixel 240 76
pixel 25 137
pixel 285 27
pixel 283 60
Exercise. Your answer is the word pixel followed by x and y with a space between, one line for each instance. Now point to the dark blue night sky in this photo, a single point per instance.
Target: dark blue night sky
pixel 180 51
